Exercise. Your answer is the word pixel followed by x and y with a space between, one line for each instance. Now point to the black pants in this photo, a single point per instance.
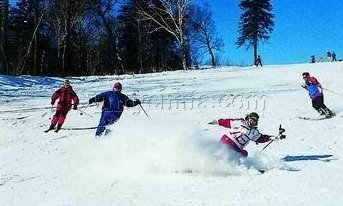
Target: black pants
pixel 318 103
pixel 258 62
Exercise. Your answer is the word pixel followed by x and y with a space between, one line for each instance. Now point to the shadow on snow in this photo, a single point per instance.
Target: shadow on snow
pixel 324 158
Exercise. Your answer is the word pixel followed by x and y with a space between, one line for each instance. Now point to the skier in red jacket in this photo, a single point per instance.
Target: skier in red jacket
pixel 66 95
pixel 241 131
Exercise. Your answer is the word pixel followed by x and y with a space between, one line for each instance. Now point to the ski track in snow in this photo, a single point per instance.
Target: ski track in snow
pixel 173 157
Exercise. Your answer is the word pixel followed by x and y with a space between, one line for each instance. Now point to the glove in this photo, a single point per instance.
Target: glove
pixel 52 102
pixel 91 100
pixel 75 107
pixel 137 101
pixel 213 122
pixel 276 138
pixel 304 86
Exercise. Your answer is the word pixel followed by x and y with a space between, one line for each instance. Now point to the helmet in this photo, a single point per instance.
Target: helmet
pixel 306 74
pixel 253 115
pixel 117 86
pixel 66 82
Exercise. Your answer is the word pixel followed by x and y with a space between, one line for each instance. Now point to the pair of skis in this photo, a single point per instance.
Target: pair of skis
pixel 322 117
pixel 55 130
pixel 69 128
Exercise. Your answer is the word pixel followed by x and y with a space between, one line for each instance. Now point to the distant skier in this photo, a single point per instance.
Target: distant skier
pixel 258 61
pixel 114 102
pixel 66 95
pixel 328 56
pixel 315 91
pixel 313 59
pixel 334 57
pixel 241 131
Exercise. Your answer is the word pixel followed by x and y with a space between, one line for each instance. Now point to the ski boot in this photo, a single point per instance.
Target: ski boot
pixel 58 128
pixel 52 127
pixel 321 112
pixel 328 113
pixel 325 112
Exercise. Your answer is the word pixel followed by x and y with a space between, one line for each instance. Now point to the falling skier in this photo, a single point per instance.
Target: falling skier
pixel 114 102
pixel 65 94
pixel 315 91
pixel 243 130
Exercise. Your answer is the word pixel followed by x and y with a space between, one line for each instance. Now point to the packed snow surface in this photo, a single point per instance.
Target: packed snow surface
pixel 172 156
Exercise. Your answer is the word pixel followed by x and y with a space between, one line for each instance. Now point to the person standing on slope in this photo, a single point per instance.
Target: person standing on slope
pixel 241 131
pixel 66 95
pixel 313 59
pixel 328 56
pixel 334 57
pixel 315 91
pixel 258 61
pixel 114 102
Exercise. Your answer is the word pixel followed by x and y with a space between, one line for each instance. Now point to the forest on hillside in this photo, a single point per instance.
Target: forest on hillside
pixel 94 37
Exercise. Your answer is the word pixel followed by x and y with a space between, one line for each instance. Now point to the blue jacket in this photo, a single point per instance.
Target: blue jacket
pixel 313 91
pixel 312 86
pixel 113 102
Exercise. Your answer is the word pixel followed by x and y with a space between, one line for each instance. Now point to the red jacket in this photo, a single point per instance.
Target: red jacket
pixel 65 96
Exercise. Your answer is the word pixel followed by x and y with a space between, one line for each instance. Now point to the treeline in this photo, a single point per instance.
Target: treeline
pixel 88 37
pixel 93 37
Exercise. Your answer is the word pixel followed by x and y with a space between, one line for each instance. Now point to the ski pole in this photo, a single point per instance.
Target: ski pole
pixel 86 107
pixel 332 92
pixel 83 112
pixel 277 137
pixel 267 145
pixel 281 131
pixel 143 110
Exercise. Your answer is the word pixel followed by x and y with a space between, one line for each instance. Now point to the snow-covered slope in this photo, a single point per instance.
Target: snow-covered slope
pixel 173 156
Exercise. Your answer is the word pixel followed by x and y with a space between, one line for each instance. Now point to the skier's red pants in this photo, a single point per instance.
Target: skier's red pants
pixel 232 145
pixel 59 117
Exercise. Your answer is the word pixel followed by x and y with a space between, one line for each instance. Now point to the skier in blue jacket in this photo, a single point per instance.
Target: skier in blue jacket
pixel 114 102
pixel 315 91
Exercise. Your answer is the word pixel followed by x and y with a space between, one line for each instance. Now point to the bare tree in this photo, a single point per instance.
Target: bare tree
pixel 169 15
pixel 105 10
pixel 64 16
pixel 204 32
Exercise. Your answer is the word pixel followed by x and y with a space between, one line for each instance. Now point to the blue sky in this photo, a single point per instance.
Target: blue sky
pixel 302 28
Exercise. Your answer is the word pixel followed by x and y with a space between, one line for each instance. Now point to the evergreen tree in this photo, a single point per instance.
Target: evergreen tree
pixel 24 36
pixel 3 36
pixel 256 23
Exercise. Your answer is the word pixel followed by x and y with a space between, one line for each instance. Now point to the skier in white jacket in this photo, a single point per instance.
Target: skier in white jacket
pixel 241 131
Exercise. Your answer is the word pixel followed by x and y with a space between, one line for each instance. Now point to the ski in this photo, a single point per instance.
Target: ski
pixel 61 137
pixel 79 128
pixel 316 118
pixel 48 130
pixel 70 128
